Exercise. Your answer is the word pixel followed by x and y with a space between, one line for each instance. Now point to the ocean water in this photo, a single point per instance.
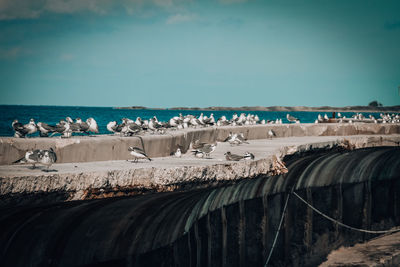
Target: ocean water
pixel 103 115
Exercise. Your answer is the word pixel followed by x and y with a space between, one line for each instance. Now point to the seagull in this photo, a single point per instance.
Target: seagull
pixel 138 153
pixel 62 128
pixel 195 122
pixel 30 157
pixel 174 122
pixel 230 137
pixel 178 153
pixel 197 144
pixel 130 129
pixel 232 157
pixel 271 134
pixel 154 125
pixel 138 121
pixel 233 139
pixel 73 126
pixel 212 119
pixel 23 130
pixel 83 126
pixel 93 127
pixel 205 150
pixel 201 119
pixel 248 156
pixel 45 129
pixel 39 156
pixel 48 158
pixel 198 153
pixel 112 126
pixel 291 118
pixel 89 126
pixel 240 137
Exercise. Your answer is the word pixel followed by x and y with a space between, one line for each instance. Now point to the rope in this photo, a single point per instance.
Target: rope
pixel 277 232
pixel 323 215
pixel 345 225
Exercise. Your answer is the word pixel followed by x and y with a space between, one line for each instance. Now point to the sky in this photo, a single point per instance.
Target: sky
pixel 169 53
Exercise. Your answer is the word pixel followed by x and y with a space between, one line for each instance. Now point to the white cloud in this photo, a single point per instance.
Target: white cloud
pixel 179 18
pixel 31 9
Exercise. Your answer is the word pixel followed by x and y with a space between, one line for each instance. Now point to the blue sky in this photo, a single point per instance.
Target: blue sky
pixel 171 53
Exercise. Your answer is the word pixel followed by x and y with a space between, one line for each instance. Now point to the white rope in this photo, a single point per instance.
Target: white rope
pixel 277 232
pixel 345 225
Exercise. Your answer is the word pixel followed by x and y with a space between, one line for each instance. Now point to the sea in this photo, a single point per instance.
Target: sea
pixel 103 115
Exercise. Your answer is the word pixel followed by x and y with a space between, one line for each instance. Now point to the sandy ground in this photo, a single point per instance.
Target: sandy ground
pixel 381 251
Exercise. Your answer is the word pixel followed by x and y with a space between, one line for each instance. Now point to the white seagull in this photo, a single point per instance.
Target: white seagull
pixel 137 154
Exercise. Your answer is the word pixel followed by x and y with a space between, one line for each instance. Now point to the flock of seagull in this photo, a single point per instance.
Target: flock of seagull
pixel 129 127
pixel 199 150
pixel 359 117
pixel 64 127
pixel 202 149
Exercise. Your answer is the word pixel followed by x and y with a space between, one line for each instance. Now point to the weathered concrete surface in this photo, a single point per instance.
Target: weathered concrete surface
pixel 108 147
pixel 103 179
pixel 380 252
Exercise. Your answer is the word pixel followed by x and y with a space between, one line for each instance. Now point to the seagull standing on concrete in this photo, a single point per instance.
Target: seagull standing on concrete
pixel 242 139
pixel 205 150
pixel 178 153
pixel 112 126
pixel 45 129
pixel 137 154
pixel 271 134
pixel 23 130
pixel 232 157
pixel 39 156
pixel 31 157
pixel 49 157
pixel 291 118
pixel 248 156
pixel 62 128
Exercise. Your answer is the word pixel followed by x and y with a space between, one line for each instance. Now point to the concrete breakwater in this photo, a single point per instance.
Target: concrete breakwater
pixel 227 226
pixel 77 181
pixel 106 148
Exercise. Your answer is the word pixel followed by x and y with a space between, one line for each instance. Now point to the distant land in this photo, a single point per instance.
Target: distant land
pixel 282 108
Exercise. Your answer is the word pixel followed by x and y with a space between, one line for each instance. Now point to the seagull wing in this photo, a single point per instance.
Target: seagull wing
pixel 47 127
pixel 235 157
pixel 84 126
pixel 59 128
pixel 52 155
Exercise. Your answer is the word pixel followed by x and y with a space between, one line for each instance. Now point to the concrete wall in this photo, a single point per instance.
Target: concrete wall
pixel 226 226
pixel 108 147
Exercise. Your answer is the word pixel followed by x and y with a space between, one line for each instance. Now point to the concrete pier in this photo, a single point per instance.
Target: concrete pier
pixel 100 179
pixel 108 147
pixel 206 212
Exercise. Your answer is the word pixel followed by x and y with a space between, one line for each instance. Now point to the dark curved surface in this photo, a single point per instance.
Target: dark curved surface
pixel 138 230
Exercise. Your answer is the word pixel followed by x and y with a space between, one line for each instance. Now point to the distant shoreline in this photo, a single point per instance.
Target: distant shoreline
pixel 281 108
